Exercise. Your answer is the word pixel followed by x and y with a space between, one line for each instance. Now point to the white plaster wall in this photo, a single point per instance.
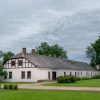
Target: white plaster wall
pixel 28 64
pixel 42 74
pixel 16 75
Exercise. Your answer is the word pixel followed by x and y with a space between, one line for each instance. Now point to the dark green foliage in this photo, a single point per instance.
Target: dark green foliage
pixel 86 78
pixel 2 73
pixel 96 77
pixel 67 79
pixel 11 86
pixel 15 87
pixel 5 86
pixel 53 51
pixel 3 58
pixel 6 56
pixel 93 52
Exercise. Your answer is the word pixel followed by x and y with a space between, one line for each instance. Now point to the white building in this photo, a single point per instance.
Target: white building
pixel 30 67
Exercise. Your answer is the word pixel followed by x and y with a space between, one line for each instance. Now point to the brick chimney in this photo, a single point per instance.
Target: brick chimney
pixel 23 51
pixel 98 67
pixel 33 51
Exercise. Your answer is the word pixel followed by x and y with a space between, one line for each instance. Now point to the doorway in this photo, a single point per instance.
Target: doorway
pixel 54 75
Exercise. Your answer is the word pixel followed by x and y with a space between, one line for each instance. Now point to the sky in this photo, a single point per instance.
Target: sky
pixel 73 24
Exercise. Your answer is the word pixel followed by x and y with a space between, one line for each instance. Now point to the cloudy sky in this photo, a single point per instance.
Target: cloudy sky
pixel 73 24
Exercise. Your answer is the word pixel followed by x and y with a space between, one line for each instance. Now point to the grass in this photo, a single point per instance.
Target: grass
pixel 82 83
pixel 47 95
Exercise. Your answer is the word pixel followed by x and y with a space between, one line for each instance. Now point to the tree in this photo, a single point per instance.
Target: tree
pixel 53 51
pixel 43 49
pixel 93 52
pixel 4 56
pixel 2 73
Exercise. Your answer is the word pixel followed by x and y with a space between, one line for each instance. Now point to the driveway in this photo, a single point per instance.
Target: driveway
pixel 39 86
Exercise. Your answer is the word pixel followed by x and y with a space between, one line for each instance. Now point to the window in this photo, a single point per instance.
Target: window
pixel 70 73
pixel 5 77
pixel 75 74
pixel 81 73
pixel 91 73
pixel 23 74
pixel 19 62
pixel 78 73
pixel 64 73
pixel 48 75
pixel 10 75
pixel 13 63
pixel 28 74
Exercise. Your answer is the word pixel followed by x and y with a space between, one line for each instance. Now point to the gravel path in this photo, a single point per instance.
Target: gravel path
pixel 40 86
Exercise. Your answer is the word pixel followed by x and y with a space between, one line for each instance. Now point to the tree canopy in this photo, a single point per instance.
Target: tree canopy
pixel 93 52
pixel 4 56
pixel 51 50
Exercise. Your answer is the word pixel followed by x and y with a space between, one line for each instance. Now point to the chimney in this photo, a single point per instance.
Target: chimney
pixel 33 51
pixel 23 51
pixel 98 67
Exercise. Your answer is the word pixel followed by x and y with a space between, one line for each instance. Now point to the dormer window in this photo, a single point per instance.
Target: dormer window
pixel 19 62
pixel 12 63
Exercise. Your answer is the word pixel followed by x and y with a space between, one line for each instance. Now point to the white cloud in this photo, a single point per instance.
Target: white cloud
pixel 71 23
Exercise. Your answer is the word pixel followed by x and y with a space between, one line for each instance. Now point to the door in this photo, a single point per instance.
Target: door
pixel 53 75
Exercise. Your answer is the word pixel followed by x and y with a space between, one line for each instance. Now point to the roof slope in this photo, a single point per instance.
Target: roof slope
pixel 42 61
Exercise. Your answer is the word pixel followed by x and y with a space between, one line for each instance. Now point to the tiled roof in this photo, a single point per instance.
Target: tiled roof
pixel 42 61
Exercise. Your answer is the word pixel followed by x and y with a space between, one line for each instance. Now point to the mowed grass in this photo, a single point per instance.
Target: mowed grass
pixel 47 95
pixel 82 83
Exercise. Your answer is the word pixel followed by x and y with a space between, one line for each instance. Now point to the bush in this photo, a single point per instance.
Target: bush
pixel 86 78
pixel 10 87
pixel 96 77
pixel 5 87
pixel 60 79
pixel 78 78
pixel 15 87
pixel 67 79
pixel 73 79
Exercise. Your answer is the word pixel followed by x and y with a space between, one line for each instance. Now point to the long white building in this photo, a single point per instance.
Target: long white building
pixel 31 67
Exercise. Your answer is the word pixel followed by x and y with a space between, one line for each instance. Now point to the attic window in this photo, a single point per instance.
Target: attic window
pixel 13 63
pixel 19 62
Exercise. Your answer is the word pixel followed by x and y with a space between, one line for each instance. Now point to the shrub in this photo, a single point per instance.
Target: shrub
pixel 10 87
pixel 96 77
pixel 60 79
pixel 73 79
pixel 86 78
pixel 15 87
pixel 78 78
pixel 5 87
pixel 67 79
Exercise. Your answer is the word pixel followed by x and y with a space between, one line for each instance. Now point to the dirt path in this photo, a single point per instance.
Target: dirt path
pixel 40 86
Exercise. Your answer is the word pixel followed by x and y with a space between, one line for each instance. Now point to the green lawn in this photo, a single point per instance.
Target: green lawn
pixel 82 83
pixel 47 95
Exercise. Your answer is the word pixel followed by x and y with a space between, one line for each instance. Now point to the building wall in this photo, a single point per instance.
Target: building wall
pixel 38 74
pixel 26 63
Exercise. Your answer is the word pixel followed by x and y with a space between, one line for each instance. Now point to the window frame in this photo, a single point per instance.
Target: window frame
pixel 10 75
pixel 13 63
pixel 28 74
pixel 20 63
